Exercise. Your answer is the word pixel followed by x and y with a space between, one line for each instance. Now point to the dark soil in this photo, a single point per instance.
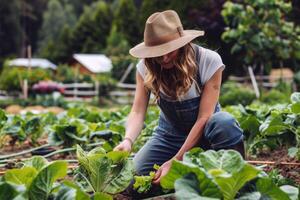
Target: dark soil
pixel 278 156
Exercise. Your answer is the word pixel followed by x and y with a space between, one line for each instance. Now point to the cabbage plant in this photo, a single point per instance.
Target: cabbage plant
pixel 34 181
pixel 221 175
pixel 106 173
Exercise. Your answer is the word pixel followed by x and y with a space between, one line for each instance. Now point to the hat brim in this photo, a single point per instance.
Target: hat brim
pixel 143 51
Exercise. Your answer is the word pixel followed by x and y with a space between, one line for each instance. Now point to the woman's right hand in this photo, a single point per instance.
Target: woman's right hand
pixel 125 145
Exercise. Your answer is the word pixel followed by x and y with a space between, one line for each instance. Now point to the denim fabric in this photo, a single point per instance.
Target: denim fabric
pixel 175 121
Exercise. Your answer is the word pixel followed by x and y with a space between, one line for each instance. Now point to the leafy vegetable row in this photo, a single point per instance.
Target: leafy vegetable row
pixel 270 126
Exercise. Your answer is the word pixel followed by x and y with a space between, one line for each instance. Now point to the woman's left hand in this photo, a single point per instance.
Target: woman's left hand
pixel 162 171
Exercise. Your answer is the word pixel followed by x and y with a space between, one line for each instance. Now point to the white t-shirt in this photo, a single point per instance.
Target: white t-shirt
pixel 209 62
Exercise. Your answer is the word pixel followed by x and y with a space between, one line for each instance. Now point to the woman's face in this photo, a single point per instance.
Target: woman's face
pixel 166 61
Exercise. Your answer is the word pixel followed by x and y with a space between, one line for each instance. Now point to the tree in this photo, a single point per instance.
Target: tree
pixel 260 34
pixel 32 19
pixel 92 29
pixel 10 29
pixel 126 22
pixel 55 32
pixel 54 19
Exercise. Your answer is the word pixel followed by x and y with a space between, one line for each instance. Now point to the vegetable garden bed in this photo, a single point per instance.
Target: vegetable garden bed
pixel 87 126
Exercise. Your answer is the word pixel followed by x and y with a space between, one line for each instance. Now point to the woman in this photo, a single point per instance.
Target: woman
pixel 185 79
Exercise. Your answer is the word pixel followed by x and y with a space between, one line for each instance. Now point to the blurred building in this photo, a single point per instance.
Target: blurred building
pixel 33 62
pixel 91 63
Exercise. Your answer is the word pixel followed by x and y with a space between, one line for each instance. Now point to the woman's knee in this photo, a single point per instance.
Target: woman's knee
pixel 221 119
pixel 222 130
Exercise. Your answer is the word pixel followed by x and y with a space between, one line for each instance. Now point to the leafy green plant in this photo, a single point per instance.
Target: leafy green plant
pixel 274 97
pixel 106 173
pixel 219 175
pixel 69 132
pixel 234 94
pixel 70 191
pixel 11 78
pixel 143 183
pixel 269 126
pixel 14 129
pixel 260 32
pixel 35 180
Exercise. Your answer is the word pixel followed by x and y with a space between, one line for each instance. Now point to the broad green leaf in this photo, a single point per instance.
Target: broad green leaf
pixel 10 191
pixel 100 168
pixel 273 125
pixel 38 162
pixel 118 156
pixel 228 160
pixel 232 184
pixel 97 150
pixel 120 179
pixel 102 196
pixel 69 134
pixel 41 185
pixel 266 187
pixel 21 176
pixel 295 97
pixel 71 191
pixel 33 127
pixel 188 188
pixel 103 134
pixel 14 127
pixel 109 173
pixel 251 126
pixel 82 157
pixel 192 156
pixel 292 191
pixel 117 128
pixel 66 193
pixel 179 169
pixel 295 107
pixel 81 127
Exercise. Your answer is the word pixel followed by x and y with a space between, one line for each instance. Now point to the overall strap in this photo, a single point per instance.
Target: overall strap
pixel 197 58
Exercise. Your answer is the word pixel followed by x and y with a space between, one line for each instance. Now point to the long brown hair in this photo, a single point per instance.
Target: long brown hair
pixel 173 82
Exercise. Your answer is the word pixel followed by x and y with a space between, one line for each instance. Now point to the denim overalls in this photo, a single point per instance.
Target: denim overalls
pixel 175 122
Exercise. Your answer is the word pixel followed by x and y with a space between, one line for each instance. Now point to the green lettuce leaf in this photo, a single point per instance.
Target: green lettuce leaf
pixel 71 191
pixel 179 169
pixel 41 185
pixel 21 176
pixel 188 188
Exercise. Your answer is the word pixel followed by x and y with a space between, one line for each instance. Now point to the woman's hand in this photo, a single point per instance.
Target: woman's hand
pixel 162 171
pixel 125 145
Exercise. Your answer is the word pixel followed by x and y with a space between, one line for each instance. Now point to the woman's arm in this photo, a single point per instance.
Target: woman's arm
pixel 136 117
pixel 207 106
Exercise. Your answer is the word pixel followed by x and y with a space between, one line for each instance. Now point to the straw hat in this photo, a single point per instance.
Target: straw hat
pixel 163 34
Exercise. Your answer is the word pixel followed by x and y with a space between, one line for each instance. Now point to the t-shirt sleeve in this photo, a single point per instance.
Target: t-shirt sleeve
pixel 141 68
pixel 211 61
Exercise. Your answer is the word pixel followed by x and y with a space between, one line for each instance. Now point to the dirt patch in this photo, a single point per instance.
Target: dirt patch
pixel 13 109
pixel 16 109
pixel 280 156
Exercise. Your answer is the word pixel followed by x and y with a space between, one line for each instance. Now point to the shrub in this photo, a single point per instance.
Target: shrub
pixel 234 93
pixel 274 96
pixel 11 78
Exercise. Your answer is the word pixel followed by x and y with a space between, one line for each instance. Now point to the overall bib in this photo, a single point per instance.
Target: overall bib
pixel 175 122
